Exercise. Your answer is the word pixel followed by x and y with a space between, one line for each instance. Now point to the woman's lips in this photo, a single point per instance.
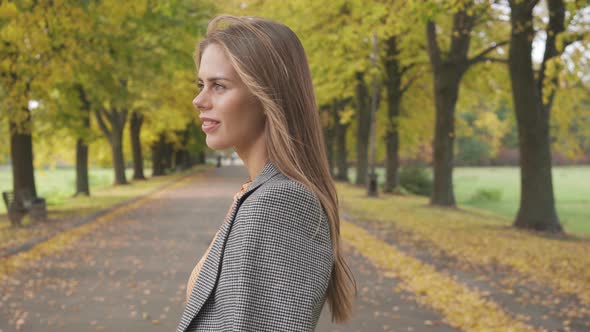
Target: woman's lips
pixel 210 126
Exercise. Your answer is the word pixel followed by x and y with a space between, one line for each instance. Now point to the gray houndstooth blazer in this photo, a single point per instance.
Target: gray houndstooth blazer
pixel 268 269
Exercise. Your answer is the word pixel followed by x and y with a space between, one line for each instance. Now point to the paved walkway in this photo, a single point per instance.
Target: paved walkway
pixel 130 274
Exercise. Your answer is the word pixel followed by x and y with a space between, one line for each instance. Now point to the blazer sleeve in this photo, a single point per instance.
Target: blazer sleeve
pixel 278 261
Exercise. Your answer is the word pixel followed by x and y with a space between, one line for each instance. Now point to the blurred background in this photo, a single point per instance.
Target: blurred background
pixel 94 92
pixel 453 123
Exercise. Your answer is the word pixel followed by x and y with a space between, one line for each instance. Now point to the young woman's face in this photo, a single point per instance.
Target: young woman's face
pixel 238 117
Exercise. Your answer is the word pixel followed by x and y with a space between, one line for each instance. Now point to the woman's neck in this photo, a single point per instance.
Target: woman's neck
pixel 255 158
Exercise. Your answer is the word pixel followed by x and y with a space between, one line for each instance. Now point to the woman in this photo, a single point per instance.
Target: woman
pixel 277 256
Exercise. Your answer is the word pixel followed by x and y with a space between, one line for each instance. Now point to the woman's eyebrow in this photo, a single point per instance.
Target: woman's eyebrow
pixel 216 78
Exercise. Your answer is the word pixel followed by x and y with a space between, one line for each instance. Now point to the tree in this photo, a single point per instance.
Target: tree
pixel 395 91
pixel 157 150
pixel 533 97
pixel 82 183
pixel 33 55
pixel 328 129
pixel 142 53
pixel 341 125
pixel 134 130
pixel 91 58
pixel 363 113
pixel 116 119
pixel 336 36
pixel 448 67
pixel 402 68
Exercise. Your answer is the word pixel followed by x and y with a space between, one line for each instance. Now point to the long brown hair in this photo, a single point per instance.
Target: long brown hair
pixel 271 61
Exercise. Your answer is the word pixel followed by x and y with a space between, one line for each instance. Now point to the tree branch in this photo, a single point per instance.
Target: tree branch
pixel 572 38
pixel 101 123
pixel 531 5
pixel 405 69
pixel 497 60
pixel 555 26
pixel 433 48
pixel 123 116
pixel 409 83
pixel 112 116
pixel 481 56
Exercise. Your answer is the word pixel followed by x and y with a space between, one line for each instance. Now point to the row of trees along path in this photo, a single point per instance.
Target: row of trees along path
pixel 92 74
pixel 82 75
pixel 426 50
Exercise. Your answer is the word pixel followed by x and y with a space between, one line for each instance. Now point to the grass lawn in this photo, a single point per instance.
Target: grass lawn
pixel 571 185
pixel 59 184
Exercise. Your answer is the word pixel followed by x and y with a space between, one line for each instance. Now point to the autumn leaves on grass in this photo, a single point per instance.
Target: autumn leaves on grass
pixel 461 307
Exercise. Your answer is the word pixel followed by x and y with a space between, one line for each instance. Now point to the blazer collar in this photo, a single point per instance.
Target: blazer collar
pixel 268 171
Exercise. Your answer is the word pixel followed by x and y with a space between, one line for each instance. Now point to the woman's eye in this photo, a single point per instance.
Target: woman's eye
pixel 215 86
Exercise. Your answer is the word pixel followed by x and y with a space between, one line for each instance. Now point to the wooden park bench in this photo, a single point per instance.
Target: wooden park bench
pixel 30 204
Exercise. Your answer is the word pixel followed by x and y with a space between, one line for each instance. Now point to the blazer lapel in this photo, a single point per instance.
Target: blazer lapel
pixel 209 273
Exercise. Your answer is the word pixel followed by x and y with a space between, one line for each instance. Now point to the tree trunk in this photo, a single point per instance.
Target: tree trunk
pixel 181 153
pixel 181 160
pixel 168 156
pixel 340 136
pixel 114 133
pixel 446 94
pixel 537 203
pixel 329 134
pixel 21 153
pixel 363 109
pixel 82 183
pixel 448 71
pixel 193 150
pixel 158 156
pixel 135 124
pixel 157 170
pixel 394 98
pixel 325 111
pixel 118 159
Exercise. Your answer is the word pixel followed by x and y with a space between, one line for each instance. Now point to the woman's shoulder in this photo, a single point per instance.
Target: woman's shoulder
pixel 284 200
pixel 281 191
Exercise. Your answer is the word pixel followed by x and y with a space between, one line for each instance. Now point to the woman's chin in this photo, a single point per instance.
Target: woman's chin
pixel 215 144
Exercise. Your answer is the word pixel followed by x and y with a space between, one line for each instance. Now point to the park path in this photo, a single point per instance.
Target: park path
pixel 130 273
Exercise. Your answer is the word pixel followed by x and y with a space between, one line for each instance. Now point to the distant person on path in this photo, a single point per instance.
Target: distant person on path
pixel 277 256
pixel 232 157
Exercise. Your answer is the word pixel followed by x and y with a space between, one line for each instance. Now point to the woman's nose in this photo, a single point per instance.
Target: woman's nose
pixel 201 101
